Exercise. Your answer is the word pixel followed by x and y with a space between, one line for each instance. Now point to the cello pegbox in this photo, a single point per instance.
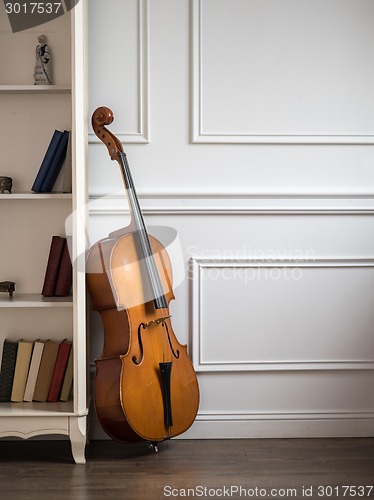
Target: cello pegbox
pixel 101 117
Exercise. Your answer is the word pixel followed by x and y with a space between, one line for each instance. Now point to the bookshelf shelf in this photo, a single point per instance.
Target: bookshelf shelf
pixel 32 114
pixel 35 89
pixel 35 409
pixel 34 300
pixel 35 196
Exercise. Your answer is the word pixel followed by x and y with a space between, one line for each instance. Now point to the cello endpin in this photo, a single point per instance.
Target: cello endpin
pixel 154 445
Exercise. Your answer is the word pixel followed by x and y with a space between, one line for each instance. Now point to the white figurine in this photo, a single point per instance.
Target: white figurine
pixel 42 63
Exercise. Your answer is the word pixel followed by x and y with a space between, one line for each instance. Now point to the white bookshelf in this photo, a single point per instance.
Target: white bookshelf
pixel 29 220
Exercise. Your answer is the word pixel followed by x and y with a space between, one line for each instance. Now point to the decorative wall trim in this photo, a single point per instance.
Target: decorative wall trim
pixel 200 135
pixel 292 427
pixel 317 415
pixel 142 135
pixel 202 365
pixel 231 426
pixel 240 204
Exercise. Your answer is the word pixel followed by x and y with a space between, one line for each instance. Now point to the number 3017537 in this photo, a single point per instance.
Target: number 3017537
pixel 344 491
pixel 34 8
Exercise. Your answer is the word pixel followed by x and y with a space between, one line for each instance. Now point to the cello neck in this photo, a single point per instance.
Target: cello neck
pixel 137 222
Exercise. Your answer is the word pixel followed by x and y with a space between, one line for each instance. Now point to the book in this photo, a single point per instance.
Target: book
pixel 51 150
pixel 33 370
pixel 55 164
pixel 47 364
pixel 67 180
pixel 21 370
pixel 8 364
pixel 64 277
pixel 53 266
pixel 59 371
pixel 68 379
pixel 63 183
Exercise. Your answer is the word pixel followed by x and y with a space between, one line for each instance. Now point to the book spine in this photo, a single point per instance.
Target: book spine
pixel 33 371
pixel 44 167
pixel 59 372
pixel 53 265
pixel 64 278
pixel 21 370
pixel 45 373
pixel 8 364
pixel 56 164
pixel 68 379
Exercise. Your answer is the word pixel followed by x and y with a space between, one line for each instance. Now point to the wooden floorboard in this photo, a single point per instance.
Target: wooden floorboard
pixel 183 468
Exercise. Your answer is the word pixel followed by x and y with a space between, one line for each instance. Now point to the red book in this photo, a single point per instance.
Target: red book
pixel 53 265
pixel 64 277
pixel 59 371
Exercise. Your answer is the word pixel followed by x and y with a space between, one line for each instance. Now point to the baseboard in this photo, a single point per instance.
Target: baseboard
pixel 281 429
pixel 250 429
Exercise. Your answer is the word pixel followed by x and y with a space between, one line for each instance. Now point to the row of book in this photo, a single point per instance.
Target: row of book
pixel 52 163
pixel 58 274
pixel 36 371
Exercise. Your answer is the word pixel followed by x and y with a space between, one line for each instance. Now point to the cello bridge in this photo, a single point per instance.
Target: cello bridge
pixel 156 321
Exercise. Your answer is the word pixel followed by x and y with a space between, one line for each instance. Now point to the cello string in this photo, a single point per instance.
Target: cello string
pixel 149 257
pixel 141 231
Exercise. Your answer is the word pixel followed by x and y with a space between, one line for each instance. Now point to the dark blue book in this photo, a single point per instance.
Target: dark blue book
pixel 37 186
pixel 56 163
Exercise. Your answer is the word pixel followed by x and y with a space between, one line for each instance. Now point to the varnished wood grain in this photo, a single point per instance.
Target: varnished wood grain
pixel 45 470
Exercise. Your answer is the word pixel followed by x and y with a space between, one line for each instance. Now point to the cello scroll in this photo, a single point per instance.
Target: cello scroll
pixel 101 117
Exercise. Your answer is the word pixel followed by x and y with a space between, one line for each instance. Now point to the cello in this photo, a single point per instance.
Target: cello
pixel 145 387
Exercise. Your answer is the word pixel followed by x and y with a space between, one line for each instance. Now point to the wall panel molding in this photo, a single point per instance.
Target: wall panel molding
pixel 240 204
pixel 291 415
pixel 203 364
pixel 140 136
pixel 292 427
pixel 200 133
pixel 295 426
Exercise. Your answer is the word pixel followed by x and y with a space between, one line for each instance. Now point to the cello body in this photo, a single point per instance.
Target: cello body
pixel 145 385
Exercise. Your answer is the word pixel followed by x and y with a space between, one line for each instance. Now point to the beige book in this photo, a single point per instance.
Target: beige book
pixel 46 368
pixel 68 379
pixel 34 369
pixel 21 370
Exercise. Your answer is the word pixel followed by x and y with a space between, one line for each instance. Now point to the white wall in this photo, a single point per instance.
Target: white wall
pixel 249 129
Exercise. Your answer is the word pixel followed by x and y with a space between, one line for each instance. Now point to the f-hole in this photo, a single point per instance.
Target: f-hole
pixel 134 358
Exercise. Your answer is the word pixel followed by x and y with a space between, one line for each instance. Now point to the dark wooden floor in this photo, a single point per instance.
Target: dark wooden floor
pixel 181 468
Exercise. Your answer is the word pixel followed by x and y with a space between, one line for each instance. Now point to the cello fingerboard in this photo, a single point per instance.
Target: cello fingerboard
pixel 141 231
